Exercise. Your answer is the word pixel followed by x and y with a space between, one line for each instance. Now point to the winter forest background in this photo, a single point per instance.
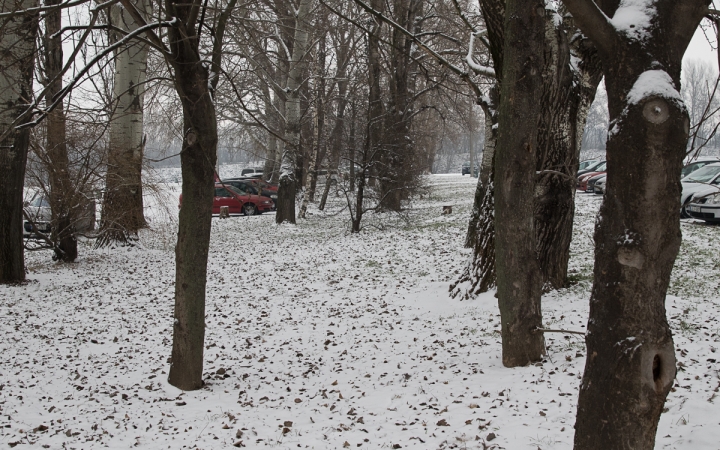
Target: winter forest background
pixel 382 299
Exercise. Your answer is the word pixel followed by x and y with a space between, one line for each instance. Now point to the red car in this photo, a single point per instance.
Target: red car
pixel 238 202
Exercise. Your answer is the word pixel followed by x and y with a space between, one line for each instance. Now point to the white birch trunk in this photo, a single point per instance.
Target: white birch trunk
pixel 123 207
pixel 288 183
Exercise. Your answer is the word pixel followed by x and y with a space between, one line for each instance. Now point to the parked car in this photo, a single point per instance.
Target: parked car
pixel 260 183
pixel 248 187
pixel 466 169
pixel 593 180
pixel 237 201
pixel 705 205
pixel 600 185
pixel 587 163
pixel 592 168
pixel 700 180
pixel 582 181
pixel 38 210
pixel 697 164
pixel 252 172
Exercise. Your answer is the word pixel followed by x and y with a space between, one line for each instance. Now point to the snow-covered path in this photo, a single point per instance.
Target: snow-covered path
pixel 317 338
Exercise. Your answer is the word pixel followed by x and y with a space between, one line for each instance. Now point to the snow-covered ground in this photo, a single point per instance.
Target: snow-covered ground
pixel 318 338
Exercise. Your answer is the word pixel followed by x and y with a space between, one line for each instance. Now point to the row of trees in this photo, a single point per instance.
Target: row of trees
pixel 372 86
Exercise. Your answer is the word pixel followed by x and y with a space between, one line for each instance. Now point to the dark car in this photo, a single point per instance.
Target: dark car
pixel 466 169
pixel 251 188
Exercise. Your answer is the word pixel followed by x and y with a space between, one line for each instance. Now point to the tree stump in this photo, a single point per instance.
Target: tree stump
pixel 224 212
pixel 447 209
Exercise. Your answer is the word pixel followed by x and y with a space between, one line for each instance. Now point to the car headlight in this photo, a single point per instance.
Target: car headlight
pixel 274 197
pixel 713 199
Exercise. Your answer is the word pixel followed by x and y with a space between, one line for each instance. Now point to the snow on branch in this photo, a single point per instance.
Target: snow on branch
pixel 477 68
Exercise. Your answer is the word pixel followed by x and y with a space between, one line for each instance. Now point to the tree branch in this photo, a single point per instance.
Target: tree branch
pixel 593 23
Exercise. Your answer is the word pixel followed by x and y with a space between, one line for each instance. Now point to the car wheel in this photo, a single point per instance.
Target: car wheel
pixel 249 209
pixel 683 211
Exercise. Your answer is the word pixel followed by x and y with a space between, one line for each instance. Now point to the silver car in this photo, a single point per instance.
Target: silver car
pixel 707 177
pixel 38 211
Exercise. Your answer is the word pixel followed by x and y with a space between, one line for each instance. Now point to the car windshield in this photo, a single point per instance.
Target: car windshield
pixel 586 164
pixel 703 175
pixel 39 201
pixel 600 167
pixel 237 190
pixel 596 166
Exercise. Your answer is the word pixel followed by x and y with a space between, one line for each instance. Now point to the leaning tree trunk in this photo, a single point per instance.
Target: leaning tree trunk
pixel 479 275
pixel 570 82
pixel 518 273
pixel 17 63
pixel 122 214
pixel 63 198
pixel 293 125
pixel 630 364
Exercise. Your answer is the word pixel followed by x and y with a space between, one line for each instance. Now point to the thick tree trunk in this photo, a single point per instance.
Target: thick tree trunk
pixel 17 63
pixel 518 273
pixel 122 214
pixel 568 90
pixel 396 173
pixel 63 198
pixel 630 364
pixel 198 157
pixel 289 166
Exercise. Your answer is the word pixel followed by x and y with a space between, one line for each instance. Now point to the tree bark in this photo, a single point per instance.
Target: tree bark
pixel 63 196
pixel 317 152
pixel 288 170
pixel 396 173
pixel 479 274
pixel 198 157
pixel 122 214
pixel 568 91
pixel 630 365
pixel 17 62
pixel 518 273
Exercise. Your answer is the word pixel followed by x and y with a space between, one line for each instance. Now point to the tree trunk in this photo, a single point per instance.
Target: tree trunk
pixel 479 274
pixel 630 364
pixel 198 157
pixel 63 198
pixel 17 59
pixel 518 273
pixel 335 141
pixel 317 153
pixel 122 214
pixel 289 166
pixel 396 174
pixel 568 90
